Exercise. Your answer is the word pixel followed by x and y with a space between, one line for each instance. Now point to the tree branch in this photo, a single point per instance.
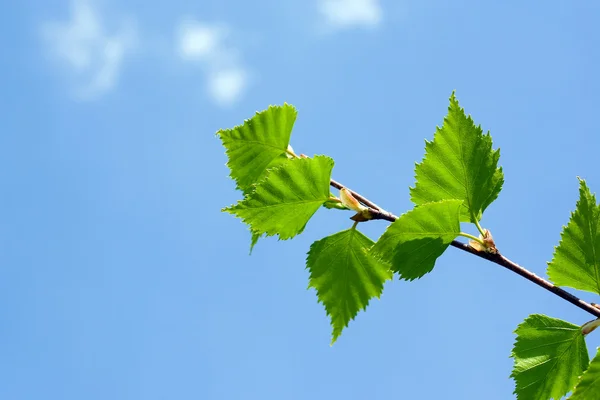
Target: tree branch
pixel 380 213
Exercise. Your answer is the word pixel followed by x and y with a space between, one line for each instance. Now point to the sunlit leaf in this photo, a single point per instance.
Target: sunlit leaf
pixel 345 276
pixel 459 164
pixel 549 356
pixel 259 144
pixel 287 198
pixel 576 261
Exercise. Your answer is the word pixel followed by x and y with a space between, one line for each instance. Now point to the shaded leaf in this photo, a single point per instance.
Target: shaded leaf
pixel 253 240
pixel 588 387
pixel 416 239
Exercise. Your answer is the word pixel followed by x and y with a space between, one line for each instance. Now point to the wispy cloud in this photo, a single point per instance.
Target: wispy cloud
pixel 227 85
pixel 91 55
pixel 197 41
pixel 207 45
pixel 340 14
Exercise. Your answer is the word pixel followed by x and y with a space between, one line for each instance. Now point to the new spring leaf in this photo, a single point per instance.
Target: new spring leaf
pixel 549 355
pixel 459 164
pixel 259 144
pixel 345 276
pixel 576 261
pixel 589 385
pixel 414 241
pixel 287 198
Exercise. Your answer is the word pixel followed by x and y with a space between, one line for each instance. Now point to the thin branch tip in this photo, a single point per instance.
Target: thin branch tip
pixel 493 255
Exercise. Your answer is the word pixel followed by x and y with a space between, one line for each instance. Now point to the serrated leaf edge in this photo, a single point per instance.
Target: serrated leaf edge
pixel 240 126
pixel 247 196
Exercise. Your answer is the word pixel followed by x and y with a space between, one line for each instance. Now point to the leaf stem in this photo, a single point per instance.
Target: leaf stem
pixel 472 238
pixel 379 213
pixel 479 228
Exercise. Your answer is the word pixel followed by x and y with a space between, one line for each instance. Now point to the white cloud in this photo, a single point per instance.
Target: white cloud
pixel 351 13
pixel 92 56
pixel 206 45
pixel 227 85
pixel 197 41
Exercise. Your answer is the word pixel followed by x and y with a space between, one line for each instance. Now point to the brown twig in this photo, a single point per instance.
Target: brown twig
pixel 379 213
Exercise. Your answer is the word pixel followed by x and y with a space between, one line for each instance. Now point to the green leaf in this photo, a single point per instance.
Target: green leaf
pixel 550 355
pixel 589 385
pixel 414 241
pixel 254 240
pixel 459 164
pixel 259 144
pixel 334 204
pixel 287 198
pixel 576 261
pixel 345 276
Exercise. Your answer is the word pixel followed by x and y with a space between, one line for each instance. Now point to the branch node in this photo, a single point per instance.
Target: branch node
pixel 490 253
pixel 486 243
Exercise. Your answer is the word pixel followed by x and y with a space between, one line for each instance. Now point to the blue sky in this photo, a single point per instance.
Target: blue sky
pixel 121 279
